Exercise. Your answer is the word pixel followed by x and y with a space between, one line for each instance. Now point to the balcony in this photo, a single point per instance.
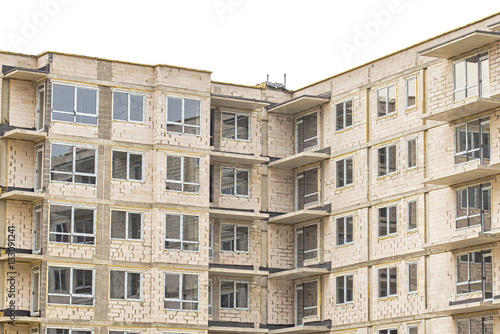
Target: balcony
pixel 226 270
pixel 237 158
pixel 464 173
pixel 25 134
pixel 302 272
pixel 20 194
pixel 461 44
pixel 20 255
pixel 466 307
pixel 236 214
pixel 462 109
pixel 28 74
pixel 301 216
pixel 298 104
pixel 307 328
pixel 237 102
pixel 234 327
pixel 494 26
pixel 301 159
pixel 463 241
pixel 18 316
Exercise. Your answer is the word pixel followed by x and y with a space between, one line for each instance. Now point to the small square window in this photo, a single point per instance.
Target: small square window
pixel 182 232
pixel 124 285
pixel 126 225
pixel 235 126
pixel 234 238
pixel 127 166
pixel 235 182
pixel 128 107
pixel 181 292
pixel 234 294
pixel 183 116
pixel 183 174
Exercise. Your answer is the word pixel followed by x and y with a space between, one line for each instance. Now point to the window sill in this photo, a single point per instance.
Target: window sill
pixel 349 186
pixel 69 305
pixel 76 124
pixel 128 122
pixel 345 245
pixel 388 116
pixel 341 131
pixel 388 298
pixel 74 183
pixel 386 176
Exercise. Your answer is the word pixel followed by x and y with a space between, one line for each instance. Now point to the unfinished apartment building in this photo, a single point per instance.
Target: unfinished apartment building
pixel 150 199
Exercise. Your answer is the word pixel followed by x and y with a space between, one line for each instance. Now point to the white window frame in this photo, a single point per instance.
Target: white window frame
pixel 484 253
pixel 236 114
pixel 129 95
pixel 40 109
pixel 74 173
pixel 408 215
pixel 183 124
pixel 300 175
pixel 344 222
pixel 482 149
pixel 318 296
pixel 235 294
pixel 489 320
pixel 37 229
pixel 210 297
pixel 481 58
pixel 181 240
pixel 407 81
pixel 408 153
pixel 300 230
pixel 39 159
pixel 344 171
pixel 298 121
pixel 210 239
pixel 235 181
pixel 483 187
pixel 386 91
pixel 235 227
pixel 35 290
pixel 344 277
pixel 180 300
pixel 126 285
pixel 72 294
pixel 387 282
pixel 70 330
pixel 128 166
pixel 127 220
pixel 75 104
pixel 182 182
pixel 387 160
pixel 409 279
pixel 388 227
pixel 344 126
pixel 72 233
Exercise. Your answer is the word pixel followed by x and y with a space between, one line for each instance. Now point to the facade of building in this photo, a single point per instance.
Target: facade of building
pixel 150 199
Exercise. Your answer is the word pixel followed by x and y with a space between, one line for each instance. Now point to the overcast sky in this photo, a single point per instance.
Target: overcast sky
pixel 241 41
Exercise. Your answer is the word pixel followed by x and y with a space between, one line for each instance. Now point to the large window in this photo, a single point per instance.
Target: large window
pixel 387 282
pixel 307 188
pixel 235 126
pixel 234 238
pixel 472 141
pixel 388 331
pixel 386 101
pixel 344 289
pixel 387 221
pixel 306 135
pixel 183 115
pixel 471 77
pixel 473 206
pixel 475 273
pixel 127 166
pixel 182 232
pixel 387 160
pixel 344 172
pixel 183 174
pixel 234 294
pixel 74 104
pixel 306 244
pixel 478 325
pixel 234 181
pixel 74 164
pixel 71 224
pixel 306 301
pixel 124 285
pixel 126 225
pixel 181 292
pixel 70 286
pixel 345 230
pixel 343 115
pixel 411 92
pixel 128 107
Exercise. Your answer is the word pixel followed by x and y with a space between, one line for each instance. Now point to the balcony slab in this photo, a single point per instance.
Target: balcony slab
pixel 462 109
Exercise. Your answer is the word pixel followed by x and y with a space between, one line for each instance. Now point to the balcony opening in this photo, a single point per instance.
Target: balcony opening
pixel 475 273
pixel 307 188
pixel 306 244
pixel 306 129
pixel 306 301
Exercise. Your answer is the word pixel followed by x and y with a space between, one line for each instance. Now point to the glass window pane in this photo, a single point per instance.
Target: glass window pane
pixel 242 238
pixel 339 116
pixel 228 125
pixel 133 285
pixel 310 130
pixel 460 81
pixel 85 160
pixel 191 170
pixel 62 158
pixel 120 106
pixel 393 281
pixel 172 286
pixel 340 290
pixel 86 101
pixel 134 226
pixel 412 153
pixel 311 185
pixel 63 98
pixel 340 231
pixel 190 287
pixel 173 226
pixel 137 108
pixel 191 112
pixel 392 219
pixel 174 165
pixel 84 221
pixel 190 228
pixel 174 110
pixel 392 99
pixel 485 75
pixel 348 113
pixel 243 127
pixel 119 166
pixel 117 284
pixel 382 222
pixel 241 295
pixel 135 167
pixel 349 229
pixel 349 288
pixel 340 173
pixel 227 237
pixel 60 223
pixel 382 161
pixel 310 295
pixel 82 282
pixel 118 223
pixel 227 294
pixel 299 133
pixel 227 181
pixel 412 215
pixel 392 159
pixel 349 171
pixel 242 178
pixel 412 277
pixel 300 191
pixel 59 279
pixel 382 102
pixel 411 92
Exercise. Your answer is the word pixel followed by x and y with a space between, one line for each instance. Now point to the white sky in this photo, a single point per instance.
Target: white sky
pixel 241 41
